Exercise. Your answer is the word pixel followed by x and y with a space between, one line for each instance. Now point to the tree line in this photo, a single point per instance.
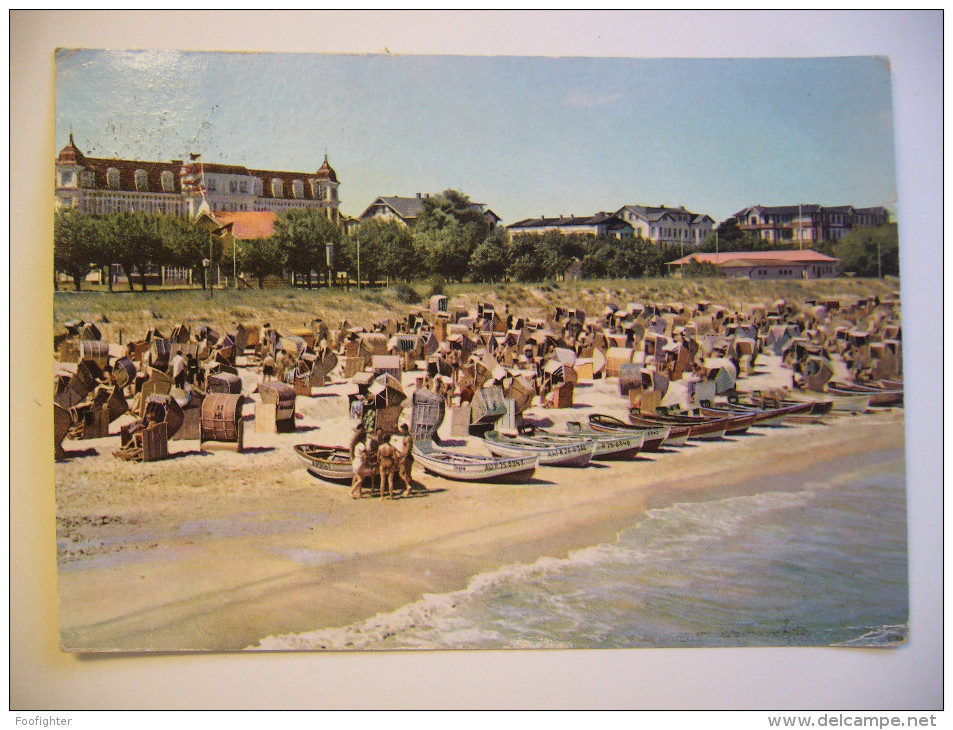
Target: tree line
pixel 451 241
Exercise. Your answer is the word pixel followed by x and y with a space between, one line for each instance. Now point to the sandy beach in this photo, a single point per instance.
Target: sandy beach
pixel 217 550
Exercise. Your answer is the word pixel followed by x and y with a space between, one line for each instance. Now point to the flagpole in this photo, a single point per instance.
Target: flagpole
pixel 210 258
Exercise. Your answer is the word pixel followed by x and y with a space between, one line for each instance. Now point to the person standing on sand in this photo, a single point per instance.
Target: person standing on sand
pixel 192 365
pixel 387 465
pixel 179 369
pixel 267 368
pixel 405 458
pixel 359 462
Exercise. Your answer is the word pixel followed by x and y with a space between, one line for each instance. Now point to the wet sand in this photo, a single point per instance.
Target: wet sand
pixel 217 550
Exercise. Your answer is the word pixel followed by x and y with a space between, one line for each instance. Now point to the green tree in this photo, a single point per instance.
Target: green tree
pixel 260 258
pixel 490 260
pixel 302 235
pixel 188 244
pixel 557 251
pixel 73 245
pixel 731 237
pixel 388 250
pixel 137 240
pixel 447 231
pixel 870 251
pixel 525 261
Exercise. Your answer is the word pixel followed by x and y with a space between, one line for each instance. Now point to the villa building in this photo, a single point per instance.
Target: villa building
pixel 668 226
pixel 407 210
pixel 807 223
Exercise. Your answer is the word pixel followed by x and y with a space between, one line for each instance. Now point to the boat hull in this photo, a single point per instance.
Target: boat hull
pixel 577 454
pixel 609 447
pixel 841 403
pixel 702 430
pixel 330 463
pixel 468 468
pixel 878 396
pixel 813 410
pixel 653 437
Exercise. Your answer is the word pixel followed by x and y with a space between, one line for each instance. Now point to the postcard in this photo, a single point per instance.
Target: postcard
pixel 383 352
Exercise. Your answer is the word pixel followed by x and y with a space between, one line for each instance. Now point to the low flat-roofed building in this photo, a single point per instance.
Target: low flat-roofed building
pixel 760 265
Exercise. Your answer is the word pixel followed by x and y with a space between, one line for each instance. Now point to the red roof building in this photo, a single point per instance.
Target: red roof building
pixel 249 225
pixel 760 265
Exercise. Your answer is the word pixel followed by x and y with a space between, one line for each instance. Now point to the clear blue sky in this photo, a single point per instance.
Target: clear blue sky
pixel 527 136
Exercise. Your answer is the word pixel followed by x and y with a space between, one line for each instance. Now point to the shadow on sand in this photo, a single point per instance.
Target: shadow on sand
pixel 79 454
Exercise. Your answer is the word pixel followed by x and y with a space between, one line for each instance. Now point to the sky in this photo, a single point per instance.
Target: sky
pixel 528 136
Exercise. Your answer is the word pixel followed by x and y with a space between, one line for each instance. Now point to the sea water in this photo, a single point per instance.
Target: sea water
pixel 816 558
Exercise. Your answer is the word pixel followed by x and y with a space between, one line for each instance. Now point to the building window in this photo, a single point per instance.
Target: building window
pixel 297 188
pixel 276 187
pixel 168 182
pixel 210 184
pixel 66 177
pixel 243 186
pixel 142 180
pixel 112 178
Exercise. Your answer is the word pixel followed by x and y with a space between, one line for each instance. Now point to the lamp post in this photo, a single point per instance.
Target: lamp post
pixel 358 259
pixel 234 263
pixel 211 241
pixel 205 272
pixel 329 258
pixel 800 229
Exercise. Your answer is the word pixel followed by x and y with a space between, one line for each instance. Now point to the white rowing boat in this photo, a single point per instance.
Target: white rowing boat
pixel 568 453
pixel 471 468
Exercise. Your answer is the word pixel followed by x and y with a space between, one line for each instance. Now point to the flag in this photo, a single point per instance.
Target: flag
pixel 193 174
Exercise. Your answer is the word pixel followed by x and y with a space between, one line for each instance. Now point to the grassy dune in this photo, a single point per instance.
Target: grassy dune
pixel 133 313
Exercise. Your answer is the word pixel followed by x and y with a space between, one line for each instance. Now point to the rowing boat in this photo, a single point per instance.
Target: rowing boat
pixel 331 463
pixel 471 468
pixel 698 428
pixel 841 403
pixel 879 396
pixel 652 436
pixel 568 453
pixel 769 417
pixel 816 410
pixel 609 447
